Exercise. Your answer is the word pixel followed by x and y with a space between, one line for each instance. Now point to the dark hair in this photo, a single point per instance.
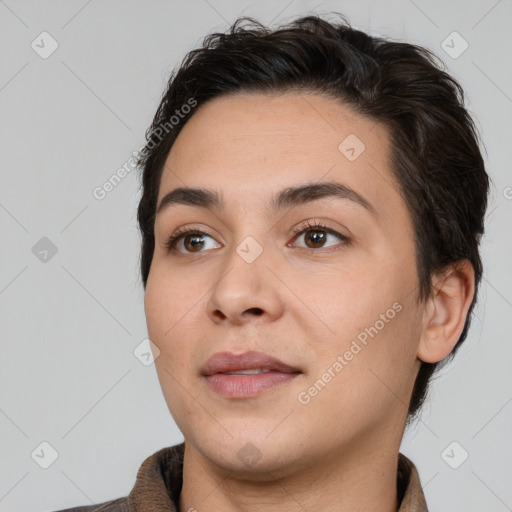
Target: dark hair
pixel 435 145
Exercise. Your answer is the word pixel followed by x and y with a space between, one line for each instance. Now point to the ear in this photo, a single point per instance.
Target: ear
pixel 446 311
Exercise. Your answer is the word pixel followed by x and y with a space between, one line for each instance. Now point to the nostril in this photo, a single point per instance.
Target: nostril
pixel 256 311
pixel 219 314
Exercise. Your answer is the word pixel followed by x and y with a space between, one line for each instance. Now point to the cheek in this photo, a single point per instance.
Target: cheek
pixel 155 305
pixel 372 320
pixel 172 308
pixel 164 309
pixel 169 297
pixel 361 382
pixel 349 300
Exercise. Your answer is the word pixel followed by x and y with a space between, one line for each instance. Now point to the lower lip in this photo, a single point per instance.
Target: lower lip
pixel 246 386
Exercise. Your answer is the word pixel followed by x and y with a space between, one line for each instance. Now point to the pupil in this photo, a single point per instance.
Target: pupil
pixel 196 241
pixel 319 238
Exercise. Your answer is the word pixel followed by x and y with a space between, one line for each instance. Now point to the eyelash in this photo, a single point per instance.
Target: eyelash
pixel 182 232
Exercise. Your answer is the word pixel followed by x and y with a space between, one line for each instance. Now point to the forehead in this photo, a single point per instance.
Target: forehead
pixel 250 145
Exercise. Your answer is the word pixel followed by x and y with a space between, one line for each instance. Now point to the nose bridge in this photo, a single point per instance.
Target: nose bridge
pixel 245 284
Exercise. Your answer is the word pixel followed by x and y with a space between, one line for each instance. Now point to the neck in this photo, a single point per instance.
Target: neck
pixel 354 480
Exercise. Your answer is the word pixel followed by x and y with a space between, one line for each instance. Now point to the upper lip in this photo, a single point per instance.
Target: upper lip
pixel 223 362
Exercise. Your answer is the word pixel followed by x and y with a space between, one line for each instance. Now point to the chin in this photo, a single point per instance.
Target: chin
pixel 252 452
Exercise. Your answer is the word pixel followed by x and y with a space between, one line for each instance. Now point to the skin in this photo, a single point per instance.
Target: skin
pixel 339 451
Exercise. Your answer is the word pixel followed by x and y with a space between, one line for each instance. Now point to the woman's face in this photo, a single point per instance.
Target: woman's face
pixel 337 304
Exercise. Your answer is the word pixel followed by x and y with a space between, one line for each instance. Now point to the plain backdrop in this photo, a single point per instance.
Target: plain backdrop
pixel 71 299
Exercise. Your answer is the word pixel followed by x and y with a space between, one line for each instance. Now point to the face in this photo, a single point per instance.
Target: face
pixel 324 281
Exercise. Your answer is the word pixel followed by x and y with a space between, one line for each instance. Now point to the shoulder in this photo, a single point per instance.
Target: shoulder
pixel 159 479
pixel 117 505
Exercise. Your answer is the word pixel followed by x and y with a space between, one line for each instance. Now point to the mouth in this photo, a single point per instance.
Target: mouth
pixel 246 375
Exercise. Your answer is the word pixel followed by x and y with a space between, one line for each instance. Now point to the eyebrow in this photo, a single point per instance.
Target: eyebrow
pixel 288 197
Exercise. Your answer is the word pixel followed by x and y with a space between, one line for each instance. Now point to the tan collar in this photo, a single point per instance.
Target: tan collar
pixel 159 482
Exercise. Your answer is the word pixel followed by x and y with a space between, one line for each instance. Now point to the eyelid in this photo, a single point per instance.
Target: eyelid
pixel 319 225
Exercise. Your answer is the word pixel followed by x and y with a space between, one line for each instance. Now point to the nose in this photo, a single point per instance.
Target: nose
pixel 245 291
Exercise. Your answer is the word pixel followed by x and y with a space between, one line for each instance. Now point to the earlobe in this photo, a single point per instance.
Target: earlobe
pixel 446 311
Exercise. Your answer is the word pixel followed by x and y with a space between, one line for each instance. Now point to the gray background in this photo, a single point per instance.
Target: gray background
pixel 69 325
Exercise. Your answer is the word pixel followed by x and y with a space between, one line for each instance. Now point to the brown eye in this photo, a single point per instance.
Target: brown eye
pixel 187 241
pixel 193 243
pixel 315 237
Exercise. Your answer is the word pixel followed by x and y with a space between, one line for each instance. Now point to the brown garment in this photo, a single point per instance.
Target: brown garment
pixel 159 482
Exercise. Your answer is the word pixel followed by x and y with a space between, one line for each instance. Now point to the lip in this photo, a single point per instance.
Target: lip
pixel 245 386
pixel 223 362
